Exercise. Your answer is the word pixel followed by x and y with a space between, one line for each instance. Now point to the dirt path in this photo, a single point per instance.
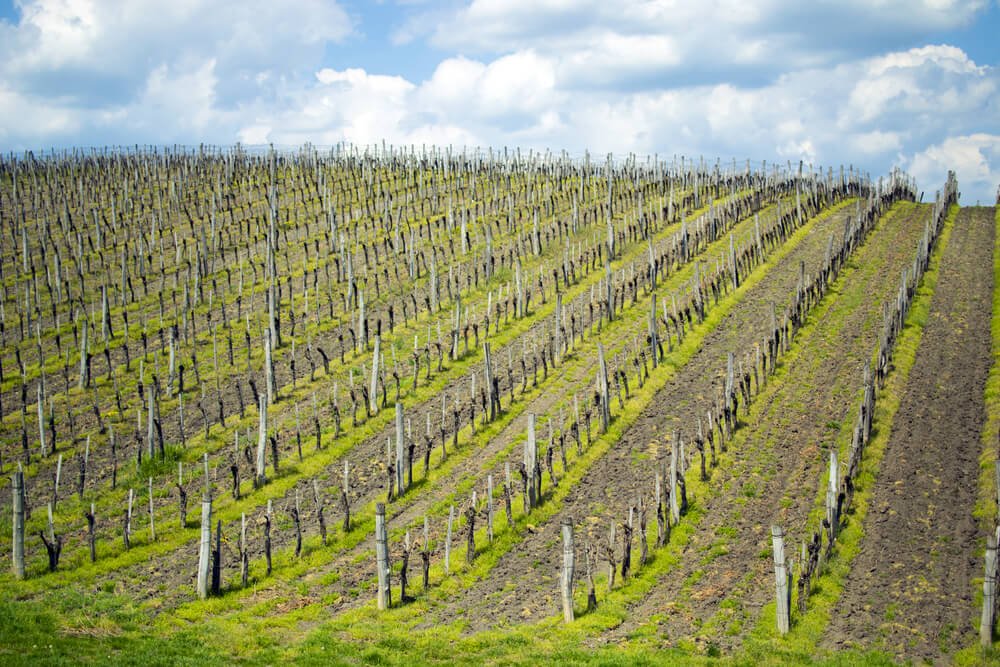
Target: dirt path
pixel 910 591
pixel 523 584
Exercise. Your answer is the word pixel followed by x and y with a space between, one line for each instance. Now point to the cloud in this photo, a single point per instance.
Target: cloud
pixel 720 79
pixel 96 52
pixel 975 158
pixel 517 85
pixel 830 115
pixel 900 82
pixel 643 44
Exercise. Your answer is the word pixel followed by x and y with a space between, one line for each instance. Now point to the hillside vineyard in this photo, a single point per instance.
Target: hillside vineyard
pixel 398 394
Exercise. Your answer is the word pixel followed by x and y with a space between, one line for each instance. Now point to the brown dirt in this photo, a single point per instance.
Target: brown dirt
pixel 910 588
pixel 523 584
pixel 779 466
pixel 145 580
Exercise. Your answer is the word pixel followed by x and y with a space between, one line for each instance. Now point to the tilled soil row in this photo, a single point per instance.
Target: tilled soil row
pixel 518 587
pixel 523 583
pixel 910 588
pixel 369 480
pixel 781 457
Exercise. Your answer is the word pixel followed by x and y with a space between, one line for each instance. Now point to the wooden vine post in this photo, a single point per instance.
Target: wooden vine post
pixel 569 561
pixel 530 465
pixel 205 545
pixel 18 488
pixel 833 488
pixel 344 499
pixel 447 543
pixel 782 579
pixel 402 459
pixel 261 477
pixel 384 597
pixel 988 618
pixel 605 397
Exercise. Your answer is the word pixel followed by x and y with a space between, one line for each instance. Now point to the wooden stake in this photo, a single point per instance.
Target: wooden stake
pixel 205 545
pixel 530 465
pixel 344 499
pixel 19 505
pixel 782 578
pixel 447 542
pixel 402 460
pixel 569 561
pixel 152 523
pixel 989 594
pixel 261 477
pixel 384 598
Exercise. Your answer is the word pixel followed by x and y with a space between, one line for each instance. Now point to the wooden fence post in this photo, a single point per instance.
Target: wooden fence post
pixel 18 487
pixel 989 593
pixel 782 578
pixel 569 558
pixel 382 557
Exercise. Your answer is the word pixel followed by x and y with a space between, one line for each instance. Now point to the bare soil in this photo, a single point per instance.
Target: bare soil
pixel 910 588
pixel 523 585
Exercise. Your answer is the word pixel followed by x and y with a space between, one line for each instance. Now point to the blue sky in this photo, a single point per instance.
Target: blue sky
pixel 876 84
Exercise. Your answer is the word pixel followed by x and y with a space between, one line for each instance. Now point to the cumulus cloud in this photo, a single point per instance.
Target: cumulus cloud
pixel 99 52
pixel 975 158
pixel 727 78
pixel 626 43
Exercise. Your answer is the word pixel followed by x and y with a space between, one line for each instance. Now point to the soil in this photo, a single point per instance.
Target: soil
pixel 523 584
pixel 779 471
pixel 910 590
pixel 145 580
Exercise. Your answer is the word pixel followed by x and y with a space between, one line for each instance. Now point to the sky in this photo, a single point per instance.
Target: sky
pixel 871 83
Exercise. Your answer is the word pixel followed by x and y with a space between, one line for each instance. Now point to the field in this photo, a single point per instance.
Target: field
pixel 400 406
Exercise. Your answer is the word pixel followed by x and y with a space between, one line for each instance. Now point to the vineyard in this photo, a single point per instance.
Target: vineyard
pixel 434 406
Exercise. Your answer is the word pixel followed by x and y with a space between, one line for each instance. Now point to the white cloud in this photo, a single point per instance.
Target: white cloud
pixel 901 81
pixel 515 84
pixel 675 37
pixel 727 78
pixel 98 50
pixel 975 159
